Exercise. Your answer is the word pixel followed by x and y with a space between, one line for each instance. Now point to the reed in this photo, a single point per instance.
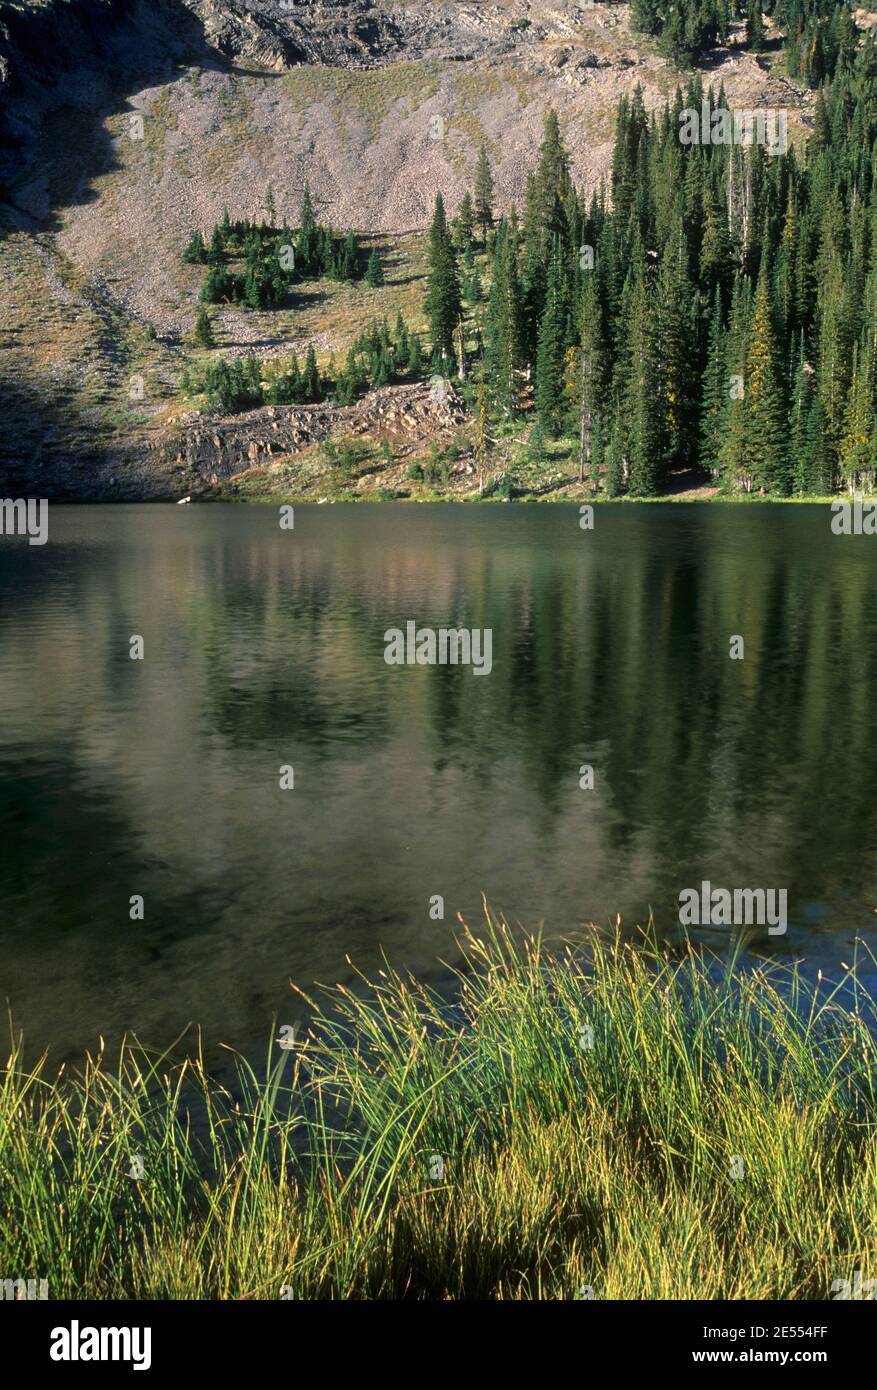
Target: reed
pixel 571 1126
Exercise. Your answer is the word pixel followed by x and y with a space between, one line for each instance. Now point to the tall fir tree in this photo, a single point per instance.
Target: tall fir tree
pixel 713 393
pixel 642 425
pixel 550 404
pixel 443 292
pixel 483 194
pixel 765 416
pixel 503 338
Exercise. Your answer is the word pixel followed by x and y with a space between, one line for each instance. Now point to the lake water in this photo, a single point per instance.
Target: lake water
pixel 265 647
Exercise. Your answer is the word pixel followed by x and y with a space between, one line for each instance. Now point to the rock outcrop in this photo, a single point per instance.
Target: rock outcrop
pixel 210 450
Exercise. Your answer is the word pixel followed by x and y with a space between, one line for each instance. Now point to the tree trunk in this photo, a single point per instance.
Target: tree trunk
pixel 585 422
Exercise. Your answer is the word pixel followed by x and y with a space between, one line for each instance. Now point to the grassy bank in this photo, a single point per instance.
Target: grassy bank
pixel 574 1124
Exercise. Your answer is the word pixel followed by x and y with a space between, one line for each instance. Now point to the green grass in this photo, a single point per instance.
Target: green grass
pixel 565 1165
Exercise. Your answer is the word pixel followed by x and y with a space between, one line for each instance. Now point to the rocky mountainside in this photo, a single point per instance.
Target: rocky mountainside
pixel 124 124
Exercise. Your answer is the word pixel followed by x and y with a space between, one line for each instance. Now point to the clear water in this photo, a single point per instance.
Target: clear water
pixel 265 647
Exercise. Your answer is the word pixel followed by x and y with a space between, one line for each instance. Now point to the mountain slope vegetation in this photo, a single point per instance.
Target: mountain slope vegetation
pixel 127 127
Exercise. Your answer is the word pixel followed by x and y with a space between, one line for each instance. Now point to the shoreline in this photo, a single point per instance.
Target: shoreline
pixel 309 500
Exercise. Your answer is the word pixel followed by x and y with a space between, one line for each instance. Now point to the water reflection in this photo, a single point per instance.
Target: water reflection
pixel 265 647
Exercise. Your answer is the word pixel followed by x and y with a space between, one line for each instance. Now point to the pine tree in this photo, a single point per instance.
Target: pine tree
pixel 857 445
pixel 643 444
pixel 799 441
pixel 615 478
pixel 218 286
pixel 713 393
pixel 310 381
pixel 308 232
pixel 645 16
pixel 765 428
pixel 349 260
pixel 196 252
pixel 553 184
pixel 383 369
pixel 253 293
pixel 481 450
pixel 819 455
pixel 630 131
pixel 483 194
pixel 715 249
pixel 415 356
pixel 834 350
pixel 443 293
pixel 590 375
pixel 503 347
pixel 550 357
pixel 732 457
pixel 464 226
pixel 400 337
pixel 374 275
pixel 786 275
pixel 204 329
pixel 216 254
pixel 674 331
pixel 754 27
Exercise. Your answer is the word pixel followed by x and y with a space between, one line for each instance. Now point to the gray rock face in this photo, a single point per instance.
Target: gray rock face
pixel 85 53
pixel 212 450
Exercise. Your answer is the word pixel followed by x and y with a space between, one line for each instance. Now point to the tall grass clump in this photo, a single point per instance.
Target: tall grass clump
pixel 610 1119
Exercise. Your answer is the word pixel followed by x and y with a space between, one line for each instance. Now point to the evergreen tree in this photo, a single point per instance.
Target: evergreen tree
pixel 443 293
pixel 204 329
pixel 857 445
pixel 799 440
pixel 834 355
pixel 713 394
pixel 374 275
pixel 645 16
pixel 415 356
pixel 464 225
pixel 503 346
pixel 550 357
pixel 818 456
pixel 615 480
pixel 715 249
pixel 674 332
pixel 196 252
pixel 553 184
pixel 589 375
pixel 400 335
pixel 310 381
pixel 483 194
pixel 308 231
pixel 765 430
pixel 643 441
pixel 349 259
pixel 216 254
pixel 754 26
